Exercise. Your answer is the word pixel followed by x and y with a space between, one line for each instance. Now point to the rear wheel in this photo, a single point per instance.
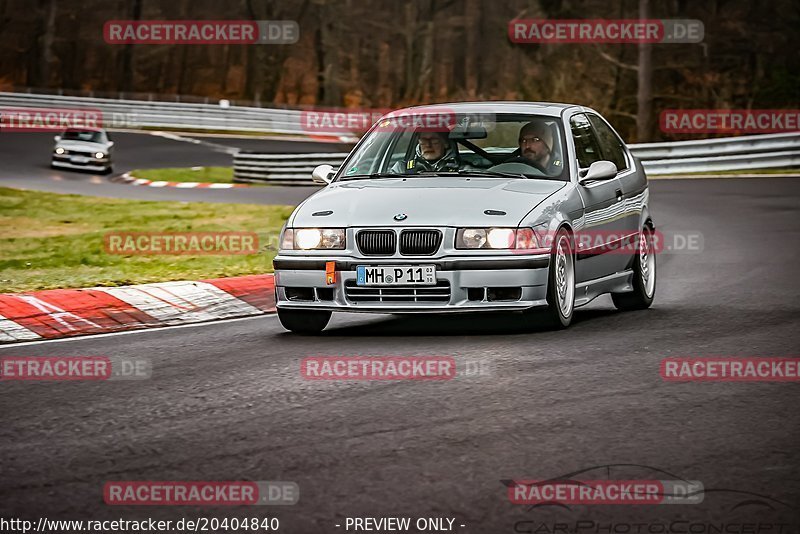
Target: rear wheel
pixel 560 285
pixel 644 276
pixel 304 321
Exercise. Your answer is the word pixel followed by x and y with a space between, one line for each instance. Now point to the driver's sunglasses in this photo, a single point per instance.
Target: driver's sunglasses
pixel 529 140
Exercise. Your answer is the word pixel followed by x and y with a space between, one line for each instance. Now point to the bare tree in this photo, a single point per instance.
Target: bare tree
pixel 644 91
pixel 48 37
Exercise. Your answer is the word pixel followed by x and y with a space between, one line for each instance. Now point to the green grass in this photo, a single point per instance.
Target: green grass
pixel 222 175
pixel 745 171
pixel 50 241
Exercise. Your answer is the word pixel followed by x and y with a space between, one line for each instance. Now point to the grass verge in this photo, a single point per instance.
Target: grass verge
pixel 795 170
pixel 221 175
pixel 52 241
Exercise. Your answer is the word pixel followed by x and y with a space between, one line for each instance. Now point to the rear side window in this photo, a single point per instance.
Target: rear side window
pixel 586 145
pixel 610 144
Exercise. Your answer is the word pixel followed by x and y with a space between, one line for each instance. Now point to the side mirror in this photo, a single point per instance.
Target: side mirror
pixel 57 138
pixel 110 144
pixel 323 174
pixel 599 170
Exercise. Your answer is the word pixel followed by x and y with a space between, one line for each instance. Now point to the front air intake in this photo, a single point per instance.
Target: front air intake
pixel 420 242
pixel 376 242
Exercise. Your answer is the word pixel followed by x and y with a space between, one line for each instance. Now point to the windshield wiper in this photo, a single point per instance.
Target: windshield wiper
pixel 498 174
pixel 372 175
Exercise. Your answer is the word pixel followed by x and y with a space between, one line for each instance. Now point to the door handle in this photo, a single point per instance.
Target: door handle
pixel 619 195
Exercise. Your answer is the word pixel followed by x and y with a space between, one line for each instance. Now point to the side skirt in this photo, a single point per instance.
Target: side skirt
pixel 585 292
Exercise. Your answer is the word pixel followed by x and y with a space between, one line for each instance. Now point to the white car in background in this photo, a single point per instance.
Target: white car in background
pixel 88 149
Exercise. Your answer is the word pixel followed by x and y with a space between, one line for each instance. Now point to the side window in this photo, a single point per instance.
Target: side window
pixel 586 145
pixel 609 142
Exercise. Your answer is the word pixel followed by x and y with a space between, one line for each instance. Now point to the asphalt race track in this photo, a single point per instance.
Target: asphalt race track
pixel 226 400
pixel 25 161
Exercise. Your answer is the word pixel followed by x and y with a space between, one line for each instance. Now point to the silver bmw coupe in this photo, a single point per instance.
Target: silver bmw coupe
pixel 472 207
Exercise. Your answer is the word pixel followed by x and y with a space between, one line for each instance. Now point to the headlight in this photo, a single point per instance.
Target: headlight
pixel 496 238
pixel 313 239
pixel 500 238
pixel 60 150
pixel 99 155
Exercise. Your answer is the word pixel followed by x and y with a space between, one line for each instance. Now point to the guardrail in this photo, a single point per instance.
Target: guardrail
pixel 708 155
pixel 721 154
pixel 137 114
pixel 281 169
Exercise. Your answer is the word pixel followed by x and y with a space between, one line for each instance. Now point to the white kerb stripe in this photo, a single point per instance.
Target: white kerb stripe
pixel 182 302
pixel 11 331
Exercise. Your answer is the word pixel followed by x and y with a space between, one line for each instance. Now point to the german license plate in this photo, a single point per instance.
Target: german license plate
pixel 406 275
pixel 79 159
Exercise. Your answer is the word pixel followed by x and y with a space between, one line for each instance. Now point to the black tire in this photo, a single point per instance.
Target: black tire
pixel 643 293
pixel 554 317
pixel 304 321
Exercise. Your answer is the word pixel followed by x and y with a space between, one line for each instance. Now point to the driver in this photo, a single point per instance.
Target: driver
pixel 434 152
pixel 536 147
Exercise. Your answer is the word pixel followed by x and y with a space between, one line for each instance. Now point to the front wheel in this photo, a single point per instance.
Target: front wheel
pixel 560 285
pixel 644 276
pixel 304 321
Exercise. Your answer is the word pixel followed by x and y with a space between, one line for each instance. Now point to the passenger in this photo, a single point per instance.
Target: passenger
pixel 536 148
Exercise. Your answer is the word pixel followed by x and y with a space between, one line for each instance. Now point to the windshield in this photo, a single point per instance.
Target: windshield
pixel 88 136
pixel 432 144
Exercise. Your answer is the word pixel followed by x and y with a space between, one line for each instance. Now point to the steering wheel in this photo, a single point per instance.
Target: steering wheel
pixel 518 167
pixel 520 159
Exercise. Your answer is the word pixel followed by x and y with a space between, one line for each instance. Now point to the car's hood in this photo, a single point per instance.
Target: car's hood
pixel 81 145
pixel 440 201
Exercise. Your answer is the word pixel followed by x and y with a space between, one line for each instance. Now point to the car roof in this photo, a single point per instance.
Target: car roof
pixel 553 109
pixel 87 129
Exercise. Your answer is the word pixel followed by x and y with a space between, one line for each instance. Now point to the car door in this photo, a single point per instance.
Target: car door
pixel 600 226
pixel 634 184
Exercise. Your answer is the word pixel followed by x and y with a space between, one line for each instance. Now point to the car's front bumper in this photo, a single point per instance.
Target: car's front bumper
pixel 466 279
pixel 91 165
